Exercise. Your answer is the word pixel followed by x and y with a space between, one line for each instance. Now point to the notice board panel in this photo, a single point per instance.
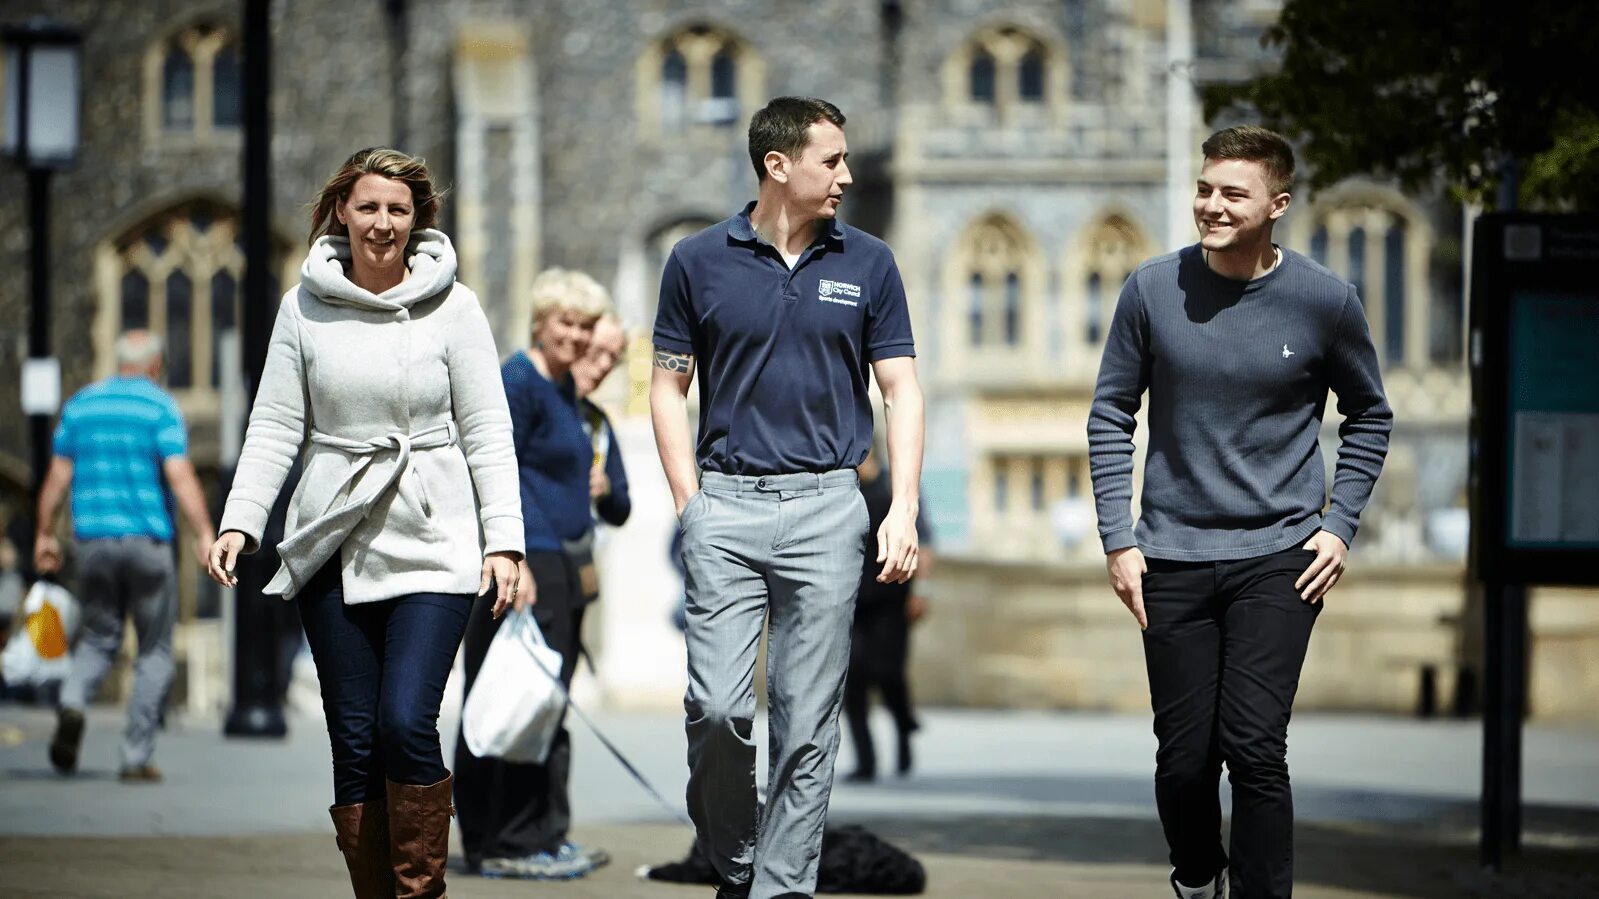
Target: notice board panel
pixel 1535 384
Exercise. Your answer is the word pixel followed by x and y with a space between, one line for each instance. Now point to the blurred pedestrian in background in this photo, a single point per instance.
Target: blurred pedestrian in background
pixel 607 477
pixel 116 441
pixel 790 314
pixel 381 370
pixel 514 817
pixel 12 586
pixel 880 642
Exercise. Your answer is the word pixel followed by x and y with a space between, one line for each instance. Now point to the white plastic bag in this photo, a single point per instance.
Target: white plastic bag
pixel 515 704
pixel 40 650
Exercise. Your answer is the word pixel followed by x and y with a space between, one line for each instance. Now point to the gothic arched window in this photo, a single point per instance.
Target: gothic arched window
pixel 993 257
pixel 194 85
pixel 700 75
pixel 1380 246
pixel 1006 70
pixel 1114 248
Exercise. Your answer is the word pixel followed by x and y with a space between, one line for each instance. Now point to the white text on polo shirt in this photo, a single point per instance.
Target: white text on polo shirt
pixel 836 291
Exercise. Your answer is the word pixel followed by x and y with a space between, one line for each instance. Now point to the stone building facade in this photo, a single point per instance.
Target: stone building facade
pixel 1017 158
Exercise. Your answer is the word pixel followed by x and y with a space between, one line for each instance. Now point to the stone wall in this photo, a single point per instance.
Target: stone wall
pixel 1057 637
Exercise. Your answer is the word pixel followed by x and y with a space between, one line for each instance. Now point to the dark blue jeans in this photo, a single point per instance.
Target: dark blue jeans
pixel 382 666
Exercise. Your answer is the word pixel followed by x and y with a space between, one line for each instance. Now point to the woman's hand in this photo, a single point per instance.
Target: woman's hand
pixel 500 569
pixel 223 555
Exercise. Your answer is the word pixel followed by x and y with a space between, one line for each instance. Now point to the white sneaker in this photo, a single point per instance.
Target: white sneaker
pixel 1216 889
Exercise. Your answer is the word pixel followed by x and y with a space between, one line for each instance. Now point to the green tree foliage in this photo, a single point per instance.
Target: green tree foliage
pixel 1431 91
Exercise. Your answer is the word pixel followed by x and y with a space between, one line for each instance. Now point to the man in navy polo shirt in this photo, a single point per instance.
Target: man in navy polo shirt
pixel 787 313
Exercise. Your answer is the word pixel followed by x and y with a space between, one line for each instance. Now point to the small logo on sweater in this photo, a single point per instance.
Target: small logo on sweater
pixel 837 291
pixel 1286 351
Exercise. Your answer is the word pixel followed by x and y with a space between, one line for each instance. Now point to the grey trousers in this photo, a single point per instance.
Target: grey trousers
pixel 788 547
pixel 121 577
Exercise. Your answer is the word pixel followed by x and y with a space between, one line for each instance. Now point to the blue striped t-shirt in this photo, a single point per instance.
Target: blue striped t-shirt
pixel 117 433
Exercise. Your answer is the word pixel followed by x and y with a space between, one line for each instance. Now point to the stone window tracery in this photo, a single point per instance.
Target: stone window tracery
pixel 1382 248
pixel 1114 248
pixel 698 76
pixel 194 85
pixel 180 275
pixel 1004 72
pixel 1000 292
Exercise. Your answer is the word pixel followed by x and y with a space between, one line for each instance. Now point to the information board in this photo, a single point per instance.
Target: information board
pixel 1535 355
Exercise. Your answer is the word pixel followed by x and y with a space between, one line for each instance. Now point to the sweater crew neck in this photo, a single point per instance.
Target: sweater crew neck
pixel 1196 254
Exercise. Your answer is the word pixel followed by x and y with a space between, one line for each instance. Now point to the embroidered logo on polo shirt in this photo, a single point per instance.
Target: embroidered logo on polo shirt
pixel 838 292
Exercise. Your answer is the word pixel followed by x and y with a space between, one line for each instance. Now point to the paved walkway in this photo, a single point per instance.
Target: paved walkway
pixel 1003 804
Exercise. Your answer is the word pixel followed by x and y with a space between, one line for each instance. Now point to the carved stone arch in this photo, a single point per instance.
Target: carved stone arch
pixel 636 292
pixel 656 242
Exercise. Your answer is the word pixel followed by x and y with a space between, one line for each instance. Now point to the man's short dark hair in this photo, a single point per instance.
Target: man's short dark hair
pixel 784 125
pixel 1253 143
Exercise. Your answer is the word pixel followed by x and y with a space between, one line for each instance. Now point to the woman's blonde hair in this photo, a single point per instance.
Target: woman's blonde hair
pixel 390 163
pixel 557 289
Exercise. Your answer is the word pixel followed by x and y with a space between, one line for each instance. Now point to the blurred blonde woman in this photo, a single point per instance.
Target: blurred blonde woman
pixel 381 378
pixel 514 817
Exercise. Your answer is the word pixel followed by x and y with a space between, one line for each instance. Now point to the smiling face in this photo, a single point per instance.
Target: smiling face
pixel 378 214
pixel 1234 208
pixel 815 182
pixel 563 335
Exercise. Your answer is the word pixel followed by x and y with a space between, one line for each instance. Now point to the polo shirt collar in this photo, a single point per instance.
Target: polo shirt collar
pixel 741 229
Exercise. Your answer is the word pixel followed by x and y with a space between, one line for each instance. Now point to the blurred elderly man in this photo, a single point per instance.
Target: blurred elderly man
pixel 115 441
pixel 607 477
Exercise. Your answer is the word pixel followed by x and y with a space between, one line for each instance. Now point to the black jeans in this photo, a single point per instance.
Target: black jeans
pixel 879 648
pixel 382 668
pixel 1224 648
pixel 507 809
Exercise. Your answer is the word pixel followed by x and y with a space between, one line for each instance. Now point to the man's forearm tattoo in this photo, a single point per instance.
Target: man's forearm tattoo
pixel 681 363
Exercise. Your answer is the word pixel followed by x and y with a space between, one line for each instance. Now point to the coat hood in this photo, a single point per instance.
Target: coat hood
pixel 429 255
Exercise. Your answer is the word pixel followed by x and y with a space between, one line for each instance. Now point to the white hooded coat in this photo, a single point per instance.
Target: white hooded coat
pixel 396 402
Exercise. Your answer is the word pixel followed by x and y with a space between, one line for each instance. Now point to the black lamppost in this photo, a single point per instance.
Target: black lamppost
pixel 43 66
pixel 256 710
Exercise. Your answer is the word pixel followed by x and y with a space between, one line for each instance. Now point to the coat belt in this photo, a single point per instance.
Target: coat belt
pixel 315 541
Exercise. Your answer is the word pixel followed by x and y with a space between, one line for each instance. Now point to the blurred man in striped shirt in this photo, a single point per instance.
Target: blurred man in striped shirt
pixel 116 440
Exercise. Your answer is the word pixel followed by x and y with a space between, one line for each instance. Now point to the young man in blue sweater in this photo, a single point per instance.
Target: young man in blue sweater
pixel 1237 342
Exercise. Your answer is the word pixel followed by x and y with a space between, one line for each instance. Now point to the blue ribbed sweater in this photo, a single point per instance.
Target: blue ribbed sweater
pixel 1237 375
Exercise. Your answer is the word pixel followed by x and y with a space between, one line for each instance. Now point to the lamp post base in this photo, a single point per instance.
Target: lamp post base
pixel 259 720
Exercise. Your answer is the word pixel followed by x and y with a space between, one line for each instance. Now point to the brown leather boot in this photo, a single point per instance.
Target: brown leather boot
pixel 419 838
pixel 362 833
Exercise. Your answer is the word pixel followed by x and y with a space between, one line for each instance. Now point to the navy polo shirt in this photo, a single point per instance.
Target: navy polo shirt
pixel 783 355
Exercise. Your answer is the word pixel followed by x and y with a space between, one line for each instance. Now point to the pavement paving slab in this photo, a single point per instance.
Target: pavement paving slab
pixel 1001 804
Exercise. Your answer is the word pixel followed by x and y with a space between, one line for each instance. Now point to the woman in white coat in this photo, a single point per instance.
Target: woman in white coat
pixel 383 379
